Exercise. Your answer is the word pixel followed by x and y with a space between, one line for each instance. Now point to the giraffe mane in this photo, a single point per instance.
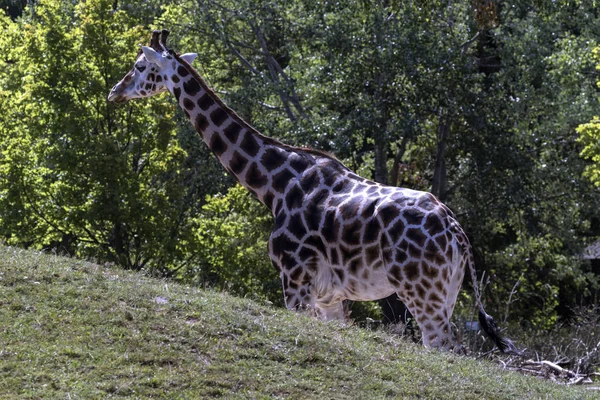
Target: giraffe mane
pixel 242 122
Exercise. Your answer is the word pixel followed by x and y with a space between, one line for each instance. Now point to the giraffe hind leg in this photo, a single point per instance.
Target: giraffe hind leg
pixel 434 322
pixel 431 303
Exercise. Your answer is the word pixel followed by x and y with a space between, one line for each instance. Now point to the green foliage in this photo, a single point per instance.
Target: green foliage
pixel 232 232
pixel 589 137
pixel 80 175
pixel 480 106
pixel 517 184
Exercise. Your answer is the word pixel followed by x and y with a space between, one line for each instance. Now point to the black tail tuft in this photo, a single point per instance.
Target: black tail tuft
pixel 490 327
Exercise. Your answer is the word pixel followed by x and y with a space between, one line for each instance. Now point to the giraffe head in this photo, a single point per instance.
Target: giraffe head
pixel 152 71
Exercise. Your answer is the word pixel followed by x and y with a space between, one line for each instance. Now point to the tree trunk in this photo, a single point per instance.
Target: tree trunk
pixel 440 180
pixel 397 159
pixel 381 173
pixel 276 71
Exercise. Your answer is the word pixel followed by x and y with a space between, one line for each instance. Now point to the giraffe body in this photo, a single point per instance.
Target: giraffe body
pixel 358 240
pixel 336 235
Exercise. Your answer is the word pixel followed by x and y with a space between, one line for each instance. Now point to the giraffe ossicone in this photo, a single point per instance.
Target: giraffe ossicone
pixel 336 235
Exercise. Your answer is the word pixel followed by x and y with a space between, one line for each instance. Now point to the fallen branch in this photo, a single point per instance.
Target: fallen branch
pixel 552 371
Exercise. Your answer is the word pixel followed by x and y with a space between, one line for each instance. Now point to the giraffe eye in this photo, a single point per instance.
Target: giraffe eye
pixel 140 68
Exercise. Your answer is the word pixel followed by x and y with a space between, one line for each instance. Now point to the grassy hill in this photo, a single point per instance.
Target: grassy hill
pixel 71 329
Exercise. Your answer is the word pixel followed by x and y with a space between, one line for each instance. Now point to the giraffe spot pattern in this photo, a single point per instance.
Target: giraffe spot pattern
pixel 232 132
pixel 349 210
pixel 254 177
pixel 314 208
pixel 281 180
pixel 348 254
pixel 299 163
pixel 217 145
pixel 316 242
pixel 191 87
pixel 371 231
pixel 432 253
pixel 273 159
pixel 330 176
pixel 296 226
pixel 334 256
pixel 441 241
pixel 188 104
pixel 250 145
pixel 388 214
pixel 177 93
pixel 426 284
pixel 268 200
pixel 294 198
pixel 428 202
pixel 395 274
pixel 341 186
pixel 433 225
pixel 218 116
pixel 413 216
pixel 351 233
pixel 330 229
pixel 182 71
pixel 309 180
pixel 401 257
pixel 238 162
pixel 411 270
pixel 340 273
pixel 417 236
pixel 205 102
pixel 355 266
pixel 306 254
pixel 369 210
pixel 201 123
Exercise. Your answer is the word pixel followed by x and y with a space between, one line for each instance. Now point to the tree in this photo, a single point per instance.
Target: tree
pixel 477 101
pixel 521 197
pixel 231 234
pixel 589 137
pixel 79 175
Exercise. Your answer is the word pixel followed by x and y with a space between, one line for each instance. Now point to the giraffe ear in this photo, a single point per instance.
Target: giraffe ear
pixel 189 57
pixel 152 55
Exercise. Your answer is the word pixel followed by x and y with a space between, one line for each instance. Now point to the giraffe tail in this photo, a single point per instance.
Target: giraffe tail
pixel 489 326
pixel 486 322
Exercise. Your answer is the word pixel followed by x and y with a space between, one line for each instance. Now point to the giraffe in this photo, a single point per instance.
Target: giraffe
pixel 336 235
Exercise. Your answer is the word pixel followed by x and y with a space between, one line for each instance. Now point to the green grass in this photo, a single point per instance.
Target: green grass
pixel 71 329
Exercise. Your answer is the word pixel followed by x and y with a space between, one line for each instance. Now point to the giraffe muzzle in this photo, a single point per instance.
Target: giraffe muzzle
pixel 115 96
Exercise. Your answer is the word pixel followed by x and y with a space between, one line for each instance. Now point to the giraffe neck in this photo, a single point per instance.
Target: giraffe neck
pixel 261 164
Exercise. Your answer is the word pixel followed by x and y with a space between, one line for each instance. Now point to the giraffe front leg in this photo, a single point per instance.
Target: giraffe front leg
pixel 297 297
pixel 296 282
pixel 297 263
pixel 331 312
pixel 301 296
